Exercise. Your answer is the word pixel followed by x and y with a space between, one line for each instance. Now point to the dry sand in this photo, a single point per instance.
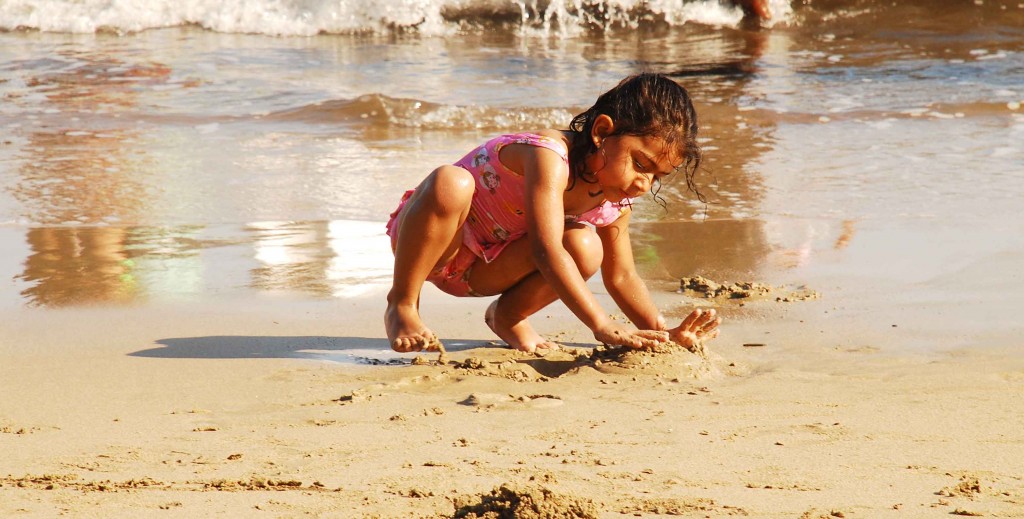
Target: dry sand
pixel 252 409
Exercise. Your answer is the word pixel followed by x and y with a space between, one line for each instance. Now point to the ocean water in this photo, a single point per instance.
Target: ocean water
pixel 172 151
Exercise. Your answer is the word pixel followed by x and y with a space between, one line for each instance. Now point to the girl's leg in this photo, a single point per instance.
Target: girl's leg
pixel 523 289
pixel 429 234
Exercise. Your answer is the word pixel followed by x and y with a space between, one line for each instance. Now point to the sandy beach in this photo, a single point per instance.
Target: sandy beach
pixel 193 264
pixel 287 409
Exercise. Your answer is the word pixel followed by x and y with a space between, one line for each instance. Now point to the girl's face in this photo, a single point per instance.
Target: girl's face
pixel 626 166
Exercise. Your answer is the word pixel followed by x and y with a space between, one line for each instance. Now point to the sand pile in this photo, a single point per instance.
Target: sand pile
pixel 507 368
pixel 665 360
pixel 668 359
pixel 968 487
pixel 746 290
pixel 511 502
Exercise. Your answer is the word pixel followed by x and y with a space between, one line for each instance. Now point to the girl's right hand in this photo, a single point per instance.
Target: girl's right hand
pixel 615 334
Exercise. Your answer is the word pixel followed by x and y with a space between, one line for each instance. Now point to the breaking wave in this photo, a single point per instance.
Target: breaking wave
pixel 381 110
pixel 312 17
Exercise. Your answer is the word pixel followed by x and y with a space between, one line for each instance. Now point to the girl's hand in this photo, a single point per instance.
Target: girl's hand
pixel 699 326
pixel 617 335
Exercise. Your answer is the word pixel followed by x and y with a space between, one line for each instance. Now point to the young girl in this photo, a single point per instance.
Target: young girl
pixel 531 216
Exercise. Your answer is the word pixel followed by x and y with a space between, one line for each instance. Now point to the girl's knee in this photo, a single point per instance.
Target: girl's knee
pixel 584 246
pixel 452 185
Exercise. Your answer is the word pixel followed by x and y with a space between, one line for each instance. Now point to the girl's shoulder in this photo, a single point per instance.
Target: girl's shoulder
pixel 553 140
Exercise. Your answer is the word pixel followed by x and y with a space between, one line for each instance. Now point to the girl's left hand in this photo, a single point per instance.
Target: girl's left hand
pixel 615 334
pixel 699 326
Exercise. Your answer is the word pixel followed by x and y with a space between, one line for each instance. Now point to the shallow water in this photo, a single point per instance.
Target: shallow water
pixel 869 150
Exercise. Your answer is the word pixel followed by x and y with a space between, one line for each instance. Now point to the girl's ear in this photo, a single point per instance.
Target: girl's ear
pixel 603 127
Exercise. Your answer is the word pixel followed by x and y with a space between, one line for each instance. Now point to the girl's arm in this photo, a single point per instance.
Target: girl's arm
pixel 630 293
pixel 546 177
pixel 618 271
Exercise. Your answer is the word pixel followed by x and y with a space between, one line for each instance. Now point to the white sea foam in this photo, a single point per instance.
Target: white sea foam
pixel 310 17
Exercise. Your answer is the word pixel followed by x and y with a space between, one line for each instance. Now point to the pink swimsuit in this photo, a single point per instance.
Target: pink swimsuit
pixel 496 216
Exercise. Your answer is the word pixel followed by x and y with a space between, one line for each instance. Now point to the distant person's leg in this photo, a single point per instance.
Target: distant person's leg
pixel 756 8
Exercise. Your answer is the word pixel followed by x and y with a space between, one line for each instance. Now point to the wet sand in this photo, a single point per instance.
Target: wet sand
pixel 293 407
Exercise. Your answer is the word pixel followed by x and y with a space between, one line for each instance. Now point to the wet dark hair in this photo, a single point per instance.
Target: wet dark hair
pixel 642 105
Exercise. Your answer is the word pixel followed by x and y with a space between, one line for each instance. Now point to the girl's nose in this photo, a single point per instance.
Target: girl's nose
pixel 642 184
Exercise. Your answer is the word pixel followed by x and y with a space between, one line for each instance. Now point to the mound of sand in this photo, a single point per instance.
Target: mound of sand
pixel 746 290
pixel 507 368
pixel 969 486
pixel 509 501
pixel 667 359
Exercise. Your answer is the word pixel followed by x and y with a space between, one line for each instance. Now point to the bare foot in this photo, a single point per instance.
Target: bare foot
pixel 517 334
pixel 406 332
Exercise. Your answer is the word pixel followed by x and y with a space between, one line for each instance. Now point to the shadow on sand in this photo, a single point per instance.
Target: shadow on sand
pixel 359 350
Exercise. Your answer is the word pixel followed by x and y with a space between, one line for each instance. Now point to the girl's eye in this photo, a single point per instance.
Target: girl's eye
pixel 638 165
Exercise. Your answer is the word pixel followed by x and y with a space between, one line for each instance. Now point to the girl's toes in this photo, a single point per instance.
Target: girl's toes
pixel 408 344
pixel 431 343
pixel 400 345
pixel 545 348
pixel 528 347
pixel 419 343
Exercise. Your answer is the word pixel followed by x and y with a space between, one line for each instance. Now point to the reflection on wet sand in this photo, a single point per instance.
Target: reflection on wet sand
pixel 69 266
pixel 720 249
pixel 97 174
pixel 362 260
pixel 81 177
pixel 340 258
pixel 736 249
pixel 718 67
pixel 732 236
pixel 85 174
pixel 720 239
pixel 291 255
pixel 103 171
pixel 73 266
